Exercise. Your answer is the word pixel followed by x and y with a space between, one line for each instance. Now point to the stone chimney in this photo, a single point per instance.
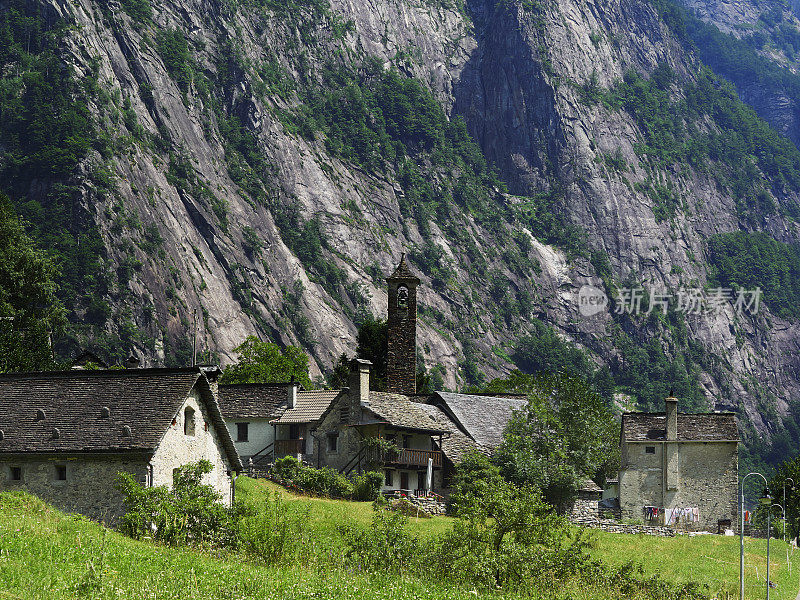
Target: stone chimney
pixel 672 417
pixel 212 373
pixel 358 381
pixel 401 351
pixel 358 391
pixel 292 393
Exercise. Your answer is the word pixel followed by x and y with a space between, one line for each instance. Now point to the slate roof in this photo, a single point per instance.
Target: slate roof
pixel 309 407
pixel 587 485
pixel 402 271
pixel 34 405
pixel 455 444
pixel 707 427
pixel 398 410
pixel 483 418
pixel 252 400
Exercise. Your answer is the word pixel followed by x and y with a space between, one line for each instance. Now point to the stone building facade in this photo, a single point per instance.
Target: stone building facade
pixel 353 435
pixel 680 462
pixel 65 435
pixel 401 355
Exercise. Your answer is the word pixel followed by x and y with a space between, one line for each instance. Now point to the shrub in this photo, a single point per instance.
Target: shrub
pixel 287 467
pixel 190 513
pixel 384 546
pixel 367 486
pixel 505 535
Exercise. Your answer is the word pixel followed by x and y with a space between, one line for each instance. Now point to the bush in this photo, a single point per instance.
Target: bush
pixel 384 546
pixel 367 486
pixel 326 481
pixel 505 535
pixel 190 513
pixel 287 467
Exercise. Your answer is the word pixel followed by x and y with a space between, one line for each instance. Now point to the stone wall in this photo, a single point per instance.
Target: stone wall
pixel 585 508
pixel 401 352
pixel 701 474
pixel 178 449
pixel 88 488
pixel 617 527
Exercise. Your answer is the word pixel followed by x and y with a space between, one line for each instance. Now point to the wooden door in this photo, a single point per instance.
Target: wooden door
pixel 403 480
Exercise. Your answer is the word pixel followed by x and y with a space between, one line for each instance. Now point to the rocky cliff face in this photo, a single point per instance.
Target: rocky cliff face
pixel 212 178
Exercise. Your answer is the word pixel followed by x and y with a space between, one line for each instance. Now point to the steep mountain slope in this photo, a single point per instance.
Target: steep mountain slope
pixel 262 165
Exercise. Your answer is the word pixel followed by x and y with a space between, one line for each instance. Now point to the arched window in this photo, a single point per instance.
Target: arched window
pixel 402 297
pixel 188 421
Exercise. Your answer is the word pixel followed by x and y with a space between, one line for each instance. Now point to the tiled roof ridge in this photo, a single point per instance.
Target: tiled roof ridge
pixel 275 385
pixel 98 372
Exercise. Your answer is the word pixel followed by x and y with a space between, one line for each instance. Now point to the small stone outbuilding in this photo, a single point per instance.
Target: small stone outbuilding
pixel 679 469
pixel 65 435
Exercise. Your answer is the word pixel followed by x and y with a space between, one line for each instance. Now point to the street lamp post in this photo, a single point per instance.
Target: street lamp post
pixel 783 510
pixel 741 536
pixel 784 504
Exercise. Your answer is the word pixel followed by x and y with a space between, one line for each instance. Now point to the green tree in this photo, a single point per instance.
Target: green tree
pixel 264 362
pixel 29 310
pixel 789 470
pixel 504 535
pixel 564 434
pixel 372 346
pixel 337 378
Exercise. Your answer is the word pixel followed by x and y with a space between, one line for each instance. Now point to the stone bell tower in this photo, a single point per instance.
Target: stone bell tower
pixel 401 358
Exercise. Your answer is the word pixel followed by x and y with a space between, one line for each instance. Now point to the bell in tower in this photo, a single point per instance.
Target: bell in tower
pixel 401 358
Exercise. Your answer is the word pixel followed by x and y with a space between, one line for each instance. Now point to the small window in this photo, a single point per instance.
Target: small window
pixel 242 432
pixel 388 477
pixel 16 473
pixel 294 431
pixel 61 472
pixel 650 449
pixel 406 441
pixel 188 421
pixel 333 442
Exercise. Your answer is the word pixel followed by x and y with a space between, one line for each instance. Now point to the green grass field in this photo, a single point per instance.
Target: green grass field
pixel 46 554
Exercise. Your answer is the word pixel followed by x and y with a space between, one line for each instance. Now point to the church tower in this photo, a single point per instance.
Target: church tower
pixel 401 359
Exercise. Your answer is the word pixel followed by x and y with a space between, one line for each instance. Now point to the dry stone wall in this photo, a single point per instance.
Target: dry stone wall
pixel 89 485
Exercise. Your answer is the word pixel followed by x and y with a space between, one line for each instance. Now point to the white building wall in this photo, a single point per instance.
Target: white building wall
pixel 177 449
pixel 260 435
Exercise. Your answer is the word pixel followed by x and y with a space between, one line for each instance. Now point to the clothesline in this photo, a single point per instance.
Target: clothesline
pixel 672 516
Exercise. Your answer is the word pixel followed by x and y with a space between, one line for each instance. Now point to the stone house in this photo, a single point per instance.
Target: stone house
pixel 365 430
pixel 272 420
pixel 415 440
pixel 65 435
pixel 679 469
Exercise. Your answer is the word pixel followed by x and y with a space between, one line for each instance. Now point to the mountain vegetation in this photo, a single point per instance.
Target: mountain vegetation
pixel 259 168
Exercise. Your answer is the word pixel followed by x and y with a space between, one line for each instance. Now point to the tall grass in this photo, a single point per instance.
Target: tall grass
pixel 46 555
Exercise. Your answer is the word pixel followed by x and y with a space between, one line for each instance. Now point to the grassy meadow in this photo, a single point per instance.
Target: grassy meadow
pixel 46 554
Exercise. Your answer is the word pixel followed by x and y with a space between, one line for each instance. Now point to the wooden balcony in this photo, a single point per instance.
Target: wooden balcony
pixel 289 447
pixel 414 458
